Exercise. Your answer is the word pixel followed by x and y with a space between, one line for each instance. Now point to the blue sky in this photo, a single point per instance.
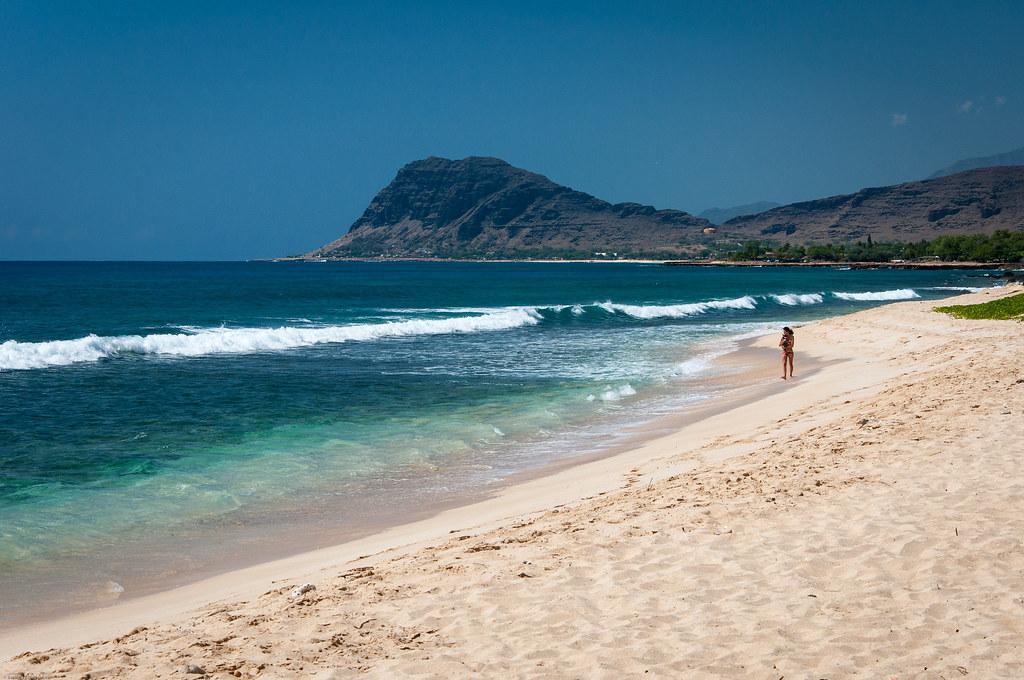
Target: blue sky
pixel 220 130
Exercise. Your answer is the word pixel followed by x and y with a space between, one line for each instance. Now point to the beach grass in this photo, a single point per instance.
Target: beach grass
pixel 1011 307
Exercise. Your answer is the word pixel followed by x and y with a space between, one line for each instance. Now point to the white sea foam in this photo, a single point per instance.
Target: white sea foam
pixel 793 299
pixel 616 393
pixel 200 342
pixel 694 366
pixel 966 289
pixel 636 311
pixel 677 311
pixel 195 341
pixel 899 294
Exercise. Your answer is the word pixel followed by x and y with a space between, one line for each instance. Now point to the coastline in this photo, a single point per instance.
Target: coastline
pixel 845 375
pixel 278 533
pixel 930 265
pixel 742 378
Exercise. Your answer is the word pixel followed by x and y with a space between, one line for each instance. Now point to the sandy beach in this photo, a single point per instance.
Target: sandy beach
pixel 864 520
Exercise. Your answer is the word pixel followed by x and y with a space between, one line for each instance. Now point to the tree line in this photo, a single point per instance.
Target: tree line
pixel 1000 246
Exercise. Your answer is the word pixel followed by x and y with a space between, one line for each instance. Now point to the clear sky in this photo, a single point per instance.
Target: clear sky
pixel 221 130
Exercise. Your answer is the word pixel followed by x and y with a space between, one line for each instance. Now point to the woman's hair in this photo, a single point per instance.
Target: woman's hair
pixel 788 329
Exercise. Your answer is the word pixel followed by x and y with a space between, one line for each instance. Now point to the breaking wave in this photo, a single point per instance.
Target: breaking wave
pixel 28 355
pixel 195 342
pixel 793 299
pixel 899 294
pixel 966 289
pixel 677 311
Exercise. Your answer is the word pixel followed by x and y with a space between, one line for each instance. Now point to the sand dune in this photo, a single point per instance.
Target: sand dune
pixel 866 520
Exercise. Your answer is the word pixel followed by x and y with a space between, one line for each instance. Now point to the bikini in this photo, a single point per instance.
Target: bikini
pixel 787 344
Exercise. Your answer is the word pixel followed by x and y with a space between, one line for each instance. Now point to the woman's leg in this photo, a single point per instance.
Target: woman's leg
pixel 791 364
pixel 784 358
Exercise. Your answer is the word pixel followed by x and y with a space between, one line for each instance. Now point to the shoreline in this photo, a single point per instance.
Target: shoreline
pixel 844 375
pixel 574 471
pixel 740 369
pixel 668 262
pixel 273 533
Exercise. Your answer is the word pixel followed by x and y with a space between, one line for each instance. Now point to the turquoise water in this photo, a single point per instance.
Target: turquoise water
pixel 144 404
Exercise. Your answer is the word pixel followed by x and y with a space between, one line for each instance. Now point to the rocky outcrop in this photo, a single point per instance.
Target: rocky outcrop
pixel 484 207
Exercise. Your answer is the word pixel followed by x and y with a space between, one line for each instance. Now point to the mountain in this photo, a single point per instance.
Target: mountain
pixel 976 201
pixel 1015 157
pixel 722 215
pixel 483 207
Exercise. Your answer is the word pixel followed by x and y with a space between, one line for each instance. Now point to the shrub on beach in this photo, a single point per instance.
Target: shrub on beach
pixel 1011 307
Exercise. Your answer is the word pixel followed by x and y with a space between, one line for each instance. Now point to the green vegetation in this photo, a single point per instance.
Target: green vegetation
pixel 1001 246
pixel 1011 307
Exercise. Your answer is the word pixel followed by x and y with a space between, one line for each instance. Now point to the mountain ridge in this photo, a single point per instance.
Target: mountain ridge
pixel 975 201
pixel 1014 157
pixel 483 207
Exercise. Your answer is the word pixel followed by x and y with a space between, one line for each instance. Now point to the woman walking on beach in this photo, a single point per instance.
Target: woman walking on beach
pixel 787 343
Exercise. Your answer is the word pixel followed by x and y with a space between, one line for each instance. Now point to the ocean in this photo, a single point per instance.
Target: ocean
pixel 157 417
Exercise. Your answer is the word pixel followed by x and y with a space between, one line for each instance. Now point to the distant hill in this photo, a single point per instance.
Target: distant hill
pixel 722 215
pixel 484 207
pixel 976 201
pixel 1015 157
